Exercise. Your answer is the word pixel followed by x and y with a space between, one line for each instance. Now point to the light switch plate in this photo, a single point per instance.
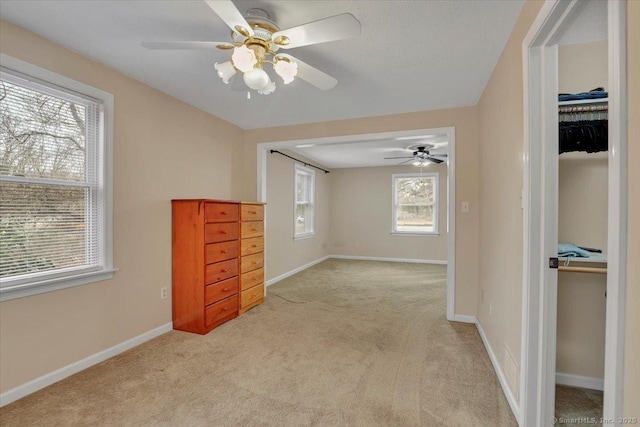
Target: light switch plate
pixel 465 207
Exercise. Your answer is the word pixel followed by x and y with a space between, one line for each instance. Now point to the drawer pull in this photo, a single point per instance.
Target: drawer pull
pixel 223 213
pixel 223 232
pixel 225 290
pixel 253 212
pixel 224 270
pixel 254 229
pixel 254 246
pixel 254 262
pixel 224 251
pixel 225 309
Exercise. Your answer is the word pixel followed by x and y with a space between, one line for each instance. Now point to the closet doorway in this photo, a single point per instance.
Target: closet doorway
pixel 548 178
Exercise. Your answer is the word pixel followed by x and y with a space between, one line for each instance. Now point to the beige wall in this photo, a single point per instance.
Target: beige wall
pixel 163 149
pixel 632 352
pixel 284 254
pixel 582 219
pixel 361 214
pixel 467 171
pixel 500 118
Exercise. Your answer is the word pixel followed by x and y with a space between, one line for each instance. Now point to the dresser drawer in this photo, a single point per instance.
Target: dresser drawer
pixel 251 262
pixel 216 252
pixel 251 296
pixel 220 232
pixel 251 229
pixel 220 290
pixel 220 271
pixel 251 246
pixel 251 212
pixel 218 311
pixel 221 212
pixel 251 279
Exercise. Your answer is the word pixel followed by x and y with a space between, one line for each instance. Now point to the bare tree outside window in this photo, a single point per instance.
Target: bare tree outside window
pixel 415 207
pixel 45 187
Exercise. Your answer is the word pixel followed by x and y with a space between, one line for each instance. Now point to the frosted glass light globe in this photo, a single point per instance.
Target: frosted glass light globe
pixel 244 59
pixel 226 70
pixel 268 89
pixel 287 70
pixel 257 78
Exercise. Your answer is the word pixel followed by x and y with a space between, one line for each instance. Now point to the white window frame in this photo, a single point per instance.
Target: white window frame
pixel 394 203
pixel 13 288
pixel 298 169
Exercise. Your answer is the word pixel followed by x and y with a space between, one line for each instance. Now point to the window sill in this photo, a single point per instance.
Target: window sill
pixel 35 288
pixel 303 236
pixel 408 234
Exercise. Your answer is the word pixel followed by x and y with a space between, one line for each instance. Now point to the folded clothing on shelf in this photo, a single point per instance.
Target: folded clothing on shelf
pixel 571 250
pixel 596 93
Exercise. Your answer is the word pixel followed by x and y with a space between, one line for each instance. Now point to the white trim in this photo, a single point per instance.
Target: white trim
pixel 572 380
pixel 538 299
pixel 262 152
pixel 409 234
pixel 372 258
pixel 617 223
pixel 295 271
pixel 105 175
pixel 75 367
pixel 303 236
pixel 463 318
pixel 513 404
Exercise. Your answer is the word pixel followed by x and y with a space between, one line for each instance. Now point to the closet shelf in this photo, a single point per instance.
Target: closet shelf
pixel 577 265
pixel 584 101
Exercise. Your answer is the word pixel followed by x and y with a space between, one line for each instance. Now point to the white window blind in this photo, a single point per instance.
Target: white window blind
pixel 415 207
pixel 304 207
pixel 51 196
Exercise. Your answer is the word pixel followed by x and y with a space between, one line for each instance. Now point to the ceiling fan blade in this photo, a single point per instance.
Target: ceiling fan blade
pixel 336 27
pixel 439 154
pixel 187 45
pixel 404 157
pixel 231 16
pixel 406 161
pixel 434 160
pixel 311 74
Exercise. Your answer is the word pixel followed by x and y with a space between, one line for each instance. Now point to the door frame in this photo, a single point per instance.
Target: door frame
pixel 539 297
pixel 263 152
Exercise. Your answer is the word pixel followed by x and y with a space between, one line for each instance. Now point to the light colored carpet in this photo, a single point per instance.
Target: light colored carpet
pixel 344 343
pixel 583 407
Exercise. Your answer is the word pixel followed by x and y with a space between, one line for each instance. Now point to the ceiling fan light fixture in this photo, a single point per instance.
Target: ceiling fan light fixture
pixel 286 69
pixel 256 78
pixel 244 59
pixel 226 70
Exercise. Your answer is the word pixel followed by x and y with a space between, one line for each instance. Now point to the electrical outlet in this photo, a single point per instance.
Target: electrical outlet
pixel 465 207
pixel 164 293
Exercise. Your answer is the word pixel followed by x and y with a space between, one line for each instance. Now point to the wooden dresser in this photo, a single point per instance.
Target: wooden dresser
pixel 252 255
pixel 211 247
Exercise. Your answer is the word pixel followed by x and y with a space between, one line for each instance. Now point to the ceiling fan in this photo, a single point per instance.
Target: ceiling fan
pixel 421 157
pixel 256 40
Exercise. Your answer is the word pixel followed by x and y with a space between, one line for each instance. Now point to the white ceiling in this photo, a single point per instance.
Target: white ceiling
pixel 590 25
pixel 411 55
pixel 366 150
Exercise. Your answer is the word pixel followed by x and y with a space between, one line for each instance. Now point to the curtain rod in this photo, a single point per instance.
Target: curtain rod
pixel 299 161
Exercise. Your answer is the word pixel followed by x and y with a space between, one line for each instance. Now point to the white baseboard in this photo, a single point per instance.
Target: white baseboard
pixel 66 371
pixel 503 380
pixel 580 381
pixel 295 271
pixel 464 318
pixel 371 258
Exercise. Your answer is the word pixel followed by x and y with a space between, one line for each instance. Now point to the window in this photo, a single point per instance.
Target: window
pixel 304 189
pixel 415 203
pixel 55 195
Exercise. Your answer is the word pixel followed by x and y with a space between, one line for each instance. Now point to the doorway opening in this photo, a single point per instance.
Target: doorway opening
pixel 540 281
pixel 407 138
